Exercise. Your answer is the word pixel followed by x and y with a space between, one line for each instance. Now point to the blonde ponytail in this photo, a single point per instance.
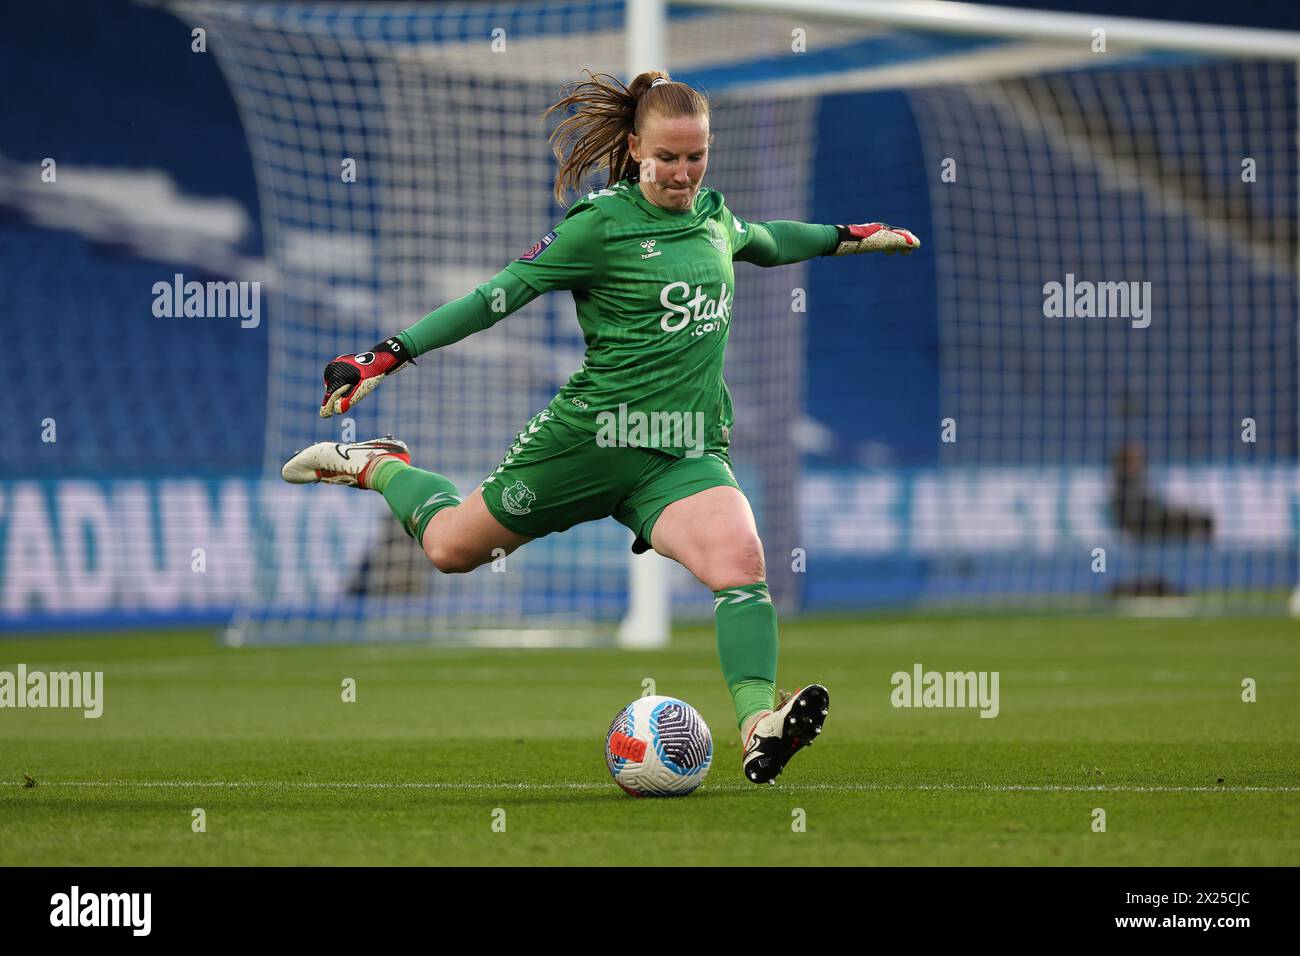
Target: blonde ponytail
pixel 601 114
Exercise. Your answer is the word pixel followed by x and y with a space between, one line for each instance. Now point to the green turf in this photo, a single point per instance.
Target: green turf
pixel 1141 718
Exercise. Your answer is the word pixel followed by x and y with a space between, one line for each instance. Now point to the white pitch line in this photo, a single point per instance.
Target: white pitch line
pixel 737 788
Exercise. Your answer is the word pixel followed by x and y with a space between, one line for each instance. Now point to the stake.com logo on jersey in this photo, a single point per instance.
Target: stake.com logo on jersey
pixel 708 314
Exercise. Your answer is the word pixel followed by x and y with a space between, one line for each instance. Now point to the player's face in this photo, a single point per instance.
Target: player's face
pixel 673 153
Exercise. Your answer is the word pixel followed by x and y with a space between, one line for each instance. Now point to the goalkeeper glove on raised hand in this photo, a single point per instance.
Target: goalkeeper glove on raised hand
pixel 874 237
pixel 350 378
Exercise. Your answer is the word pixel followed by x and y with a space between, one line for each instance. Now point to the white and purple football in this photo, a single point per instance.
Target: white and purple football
pixel 659 747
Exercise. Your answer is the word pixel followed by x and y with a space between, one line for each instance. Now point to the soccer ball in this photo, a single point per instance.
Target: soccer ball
pixel 659 747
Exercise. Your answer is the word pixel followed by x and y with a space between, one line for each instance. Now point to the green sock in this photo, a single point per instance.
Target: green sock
pixel 413 496
pixel 747 647
pixel 384 472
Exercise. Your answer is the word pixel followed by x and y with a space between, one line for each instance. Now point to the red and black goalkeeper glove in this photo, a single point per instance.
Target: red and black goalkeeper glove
pixel 874 237
pixel 350 378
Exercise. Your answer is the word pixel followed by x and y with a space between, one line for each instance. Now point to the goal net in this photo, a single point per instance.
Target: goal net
pixel 1117 315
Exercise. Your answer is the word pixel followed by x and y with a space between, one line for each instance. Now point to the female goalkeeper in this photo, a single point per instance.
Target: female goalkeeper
pixel 641 431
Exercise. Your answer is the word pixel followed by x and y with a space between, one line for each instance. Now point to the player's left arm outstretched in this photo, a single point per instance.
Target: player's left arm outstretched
pixel 782 242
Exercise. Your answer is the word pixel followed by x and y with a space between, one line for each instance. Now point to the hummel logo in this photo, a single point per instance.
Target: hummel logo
pixel 439 498
pixel 739 597
pixel 649 246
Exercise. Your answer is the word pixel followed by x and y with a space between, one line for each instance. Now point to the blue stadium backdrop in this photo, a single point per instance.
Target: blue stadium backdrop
pixel 122 427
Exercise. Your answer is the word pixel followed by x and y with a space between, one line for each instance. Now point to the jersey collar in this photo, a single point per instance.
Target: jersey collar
pixel 659 212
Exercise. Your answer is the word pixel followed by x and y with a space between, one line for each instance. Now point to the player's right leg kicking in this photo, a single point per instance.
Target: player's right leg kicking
pixel 464 534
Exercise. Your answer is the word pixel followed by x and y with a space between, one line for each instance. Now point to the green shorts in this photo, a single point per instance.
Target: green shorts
pixel 556 475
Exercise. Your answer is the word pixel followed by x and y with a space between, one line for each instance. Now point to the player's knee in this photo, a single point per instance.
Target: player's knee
pixel 450 557
pixel 738 562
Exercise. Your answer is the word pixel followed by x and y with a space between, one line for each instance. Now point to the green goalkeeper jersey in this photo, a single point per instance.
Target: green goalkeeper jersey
pixel 654 290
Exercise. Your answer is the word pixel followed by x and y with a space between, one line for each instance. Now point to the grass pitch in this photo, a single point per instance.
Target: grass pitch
pixel 1143 719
